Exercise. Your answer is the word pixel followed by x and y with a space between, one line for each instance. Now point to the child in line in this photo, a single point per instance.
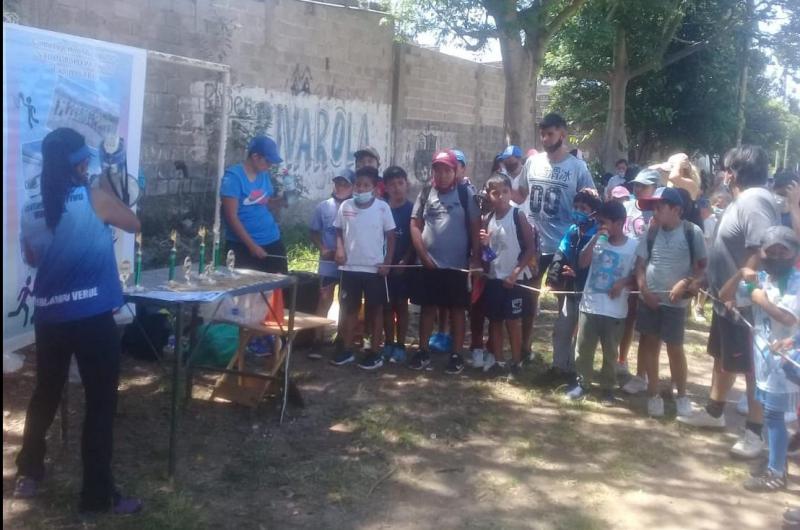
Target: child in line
pixel 610 256
pixel 323 235
pixel 509 246
pixel 364 227
pixel 773 293
pixel 672 260
pixel 395 316
pixel 444 230
pixel 565 274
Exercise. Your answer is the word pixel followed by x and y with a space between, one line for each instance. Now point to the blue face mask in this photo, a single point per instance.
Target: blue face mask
pixel 580 218
pixel 362 198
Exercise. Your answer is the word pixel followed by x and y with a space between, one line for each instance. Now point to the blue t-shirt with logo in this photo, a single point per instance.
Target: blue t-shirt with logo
pixel 402 231
pixel 322 222
pixel 253 200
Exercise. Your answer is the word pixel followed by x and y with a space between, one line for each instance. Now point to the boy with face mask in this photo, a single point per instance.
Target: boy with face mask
pixel 364 248
pixel 773 294
pixel 566 274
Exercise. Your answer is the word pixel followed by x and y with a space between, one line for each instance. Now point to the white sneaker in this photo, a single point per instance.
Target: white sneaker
pixel 622 369
pixel 477 357
pixel 741 405
pixel 749 445
pixel 635 385
pixel 655 407
pixel 488 361
pixel 684 406
pixel 701 418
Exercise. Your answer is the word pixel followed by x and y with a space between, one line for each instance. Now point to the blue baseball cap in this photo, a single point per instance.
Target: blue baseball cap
pixel 346 173
pixel 511 150
pixel 266 147
pixel 460 156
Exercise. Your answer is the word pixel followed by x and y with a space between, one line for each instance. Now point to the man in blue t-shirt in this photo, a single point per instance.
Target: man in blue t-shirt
pixel 247 196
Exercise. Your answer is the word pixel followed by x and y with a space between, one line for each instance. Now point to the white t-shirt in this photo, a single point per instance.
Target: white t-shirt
pixel 515 183
pixel 709 225
pixel 637 221
pixel 364 231
pixel 504 241
pixel 610 264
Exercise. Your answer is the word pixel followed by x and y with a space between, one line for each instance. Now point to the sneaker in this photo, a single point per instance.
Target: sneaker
pixel 455 365
pixel 387 351
pixel 622 369
pixel 655 407
pixel 25 488
pixel 794 445
pixel 768 482
pixel 608 399
pixel 488 362
pixel 514 371
pixel 683 406
pixel 420 361
pixel 346 357
pixel 701 418
pixel 576 392
pixel 635 385
pixel 477 357
pixel 398 354
pixel 791 518
pixel 741 405
pixel 372 361
pixel 127 506
pixel 748 446
pixel 552 376
pixel 496 371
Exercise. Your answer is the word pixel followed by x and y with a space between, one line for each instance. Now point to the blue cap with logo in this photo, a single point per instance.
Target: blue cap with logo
pixel 266 147
pixel 511 150
pixel 460 156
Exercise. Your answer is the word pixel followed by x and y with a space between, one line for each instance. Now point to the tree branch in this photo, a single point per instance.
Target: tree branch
pixel 550 28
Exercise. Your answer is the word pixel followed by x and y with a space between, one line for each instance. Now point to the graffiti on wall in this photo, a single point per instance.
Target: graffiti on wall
pixel 417 147
pixel 301 81
pixel 316 136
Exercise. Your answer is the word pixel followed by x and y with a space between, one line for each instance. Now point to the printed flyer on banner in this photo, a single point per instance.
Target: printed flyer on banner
pixel 53 80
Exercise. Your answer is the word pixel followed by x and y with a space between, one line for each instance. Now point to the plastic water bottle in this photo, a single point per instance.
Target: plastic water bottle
pixel 602 239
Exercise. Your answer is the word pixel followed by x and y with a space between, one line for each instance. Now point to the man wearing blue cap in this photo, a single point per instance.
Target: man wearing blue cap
pixel 511 159
pixel 247 193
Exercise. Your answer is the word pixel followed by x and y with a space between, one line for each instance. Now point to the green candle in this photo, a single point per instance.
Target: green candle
pixel 201 266
pixel 137 273
pixel 173 253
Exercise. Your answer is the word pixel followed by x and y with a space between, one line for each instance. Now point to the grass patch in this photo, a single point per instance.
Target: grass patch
pixel 302 253
pixel 573 520
pixel 735 474
pixel 381 424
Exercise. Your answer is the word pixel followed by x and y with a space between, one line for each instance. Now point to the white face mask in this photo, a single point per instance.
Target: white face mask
pixel 362 198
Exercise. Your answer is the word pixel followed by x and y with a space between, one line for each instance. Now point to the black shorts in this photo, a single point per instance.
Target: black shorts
pixel 732 343
pixel 399 288
pixel 274 262
pixel 357 285
pixel 327 281
pixel 502 303
pixel 441 288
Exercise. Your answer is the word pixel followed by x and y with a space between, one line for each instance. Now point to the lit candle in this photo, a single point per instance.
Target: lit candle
pixel 202 264
pixel 216 248
pixel 173 254
pixel 137 274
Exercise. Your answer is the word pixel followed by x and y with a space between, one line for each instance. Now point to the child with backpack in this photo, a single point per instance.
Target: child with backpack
pixel 444 231
pixel 508 246
pixel 773 294
pixel 610 257
pixel 671 264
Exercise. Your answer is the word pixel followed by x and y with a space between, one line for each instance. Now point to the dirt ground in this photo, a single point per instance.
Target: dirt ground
pixel 399 449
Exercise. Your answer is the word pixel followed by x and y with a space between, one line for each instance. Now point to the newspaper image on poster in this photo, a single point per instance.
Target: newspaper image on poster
pixel 53 80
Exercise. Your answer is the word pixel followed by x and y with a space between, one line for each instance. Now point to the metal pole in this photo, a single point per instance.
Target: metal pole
pixel 223 143
pixel 176 367
pixel 289 343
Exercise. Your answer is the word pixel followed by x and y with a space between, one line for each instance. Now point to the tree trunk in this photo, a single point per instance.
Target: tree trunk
pixel 521 70
pixel 615 142
pixel 747 42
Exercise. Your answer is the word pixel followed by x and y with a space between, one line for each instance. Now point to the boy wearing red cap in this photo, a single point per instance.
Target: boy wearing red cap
pixel 444 230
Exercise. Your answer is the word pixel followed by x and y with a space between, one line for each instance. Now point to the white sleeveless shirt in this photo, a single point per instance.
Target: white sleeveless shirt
pixel 503 240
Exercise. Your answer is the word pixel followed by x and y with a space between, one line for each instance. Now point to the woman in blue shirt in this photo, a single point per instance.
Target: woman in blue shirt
pixel 67 238
pixel 247 194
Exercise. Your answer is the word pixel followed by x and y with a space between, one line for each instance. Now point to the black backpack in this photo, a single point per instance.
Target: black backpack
pixel 463 198
pixel 148 328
